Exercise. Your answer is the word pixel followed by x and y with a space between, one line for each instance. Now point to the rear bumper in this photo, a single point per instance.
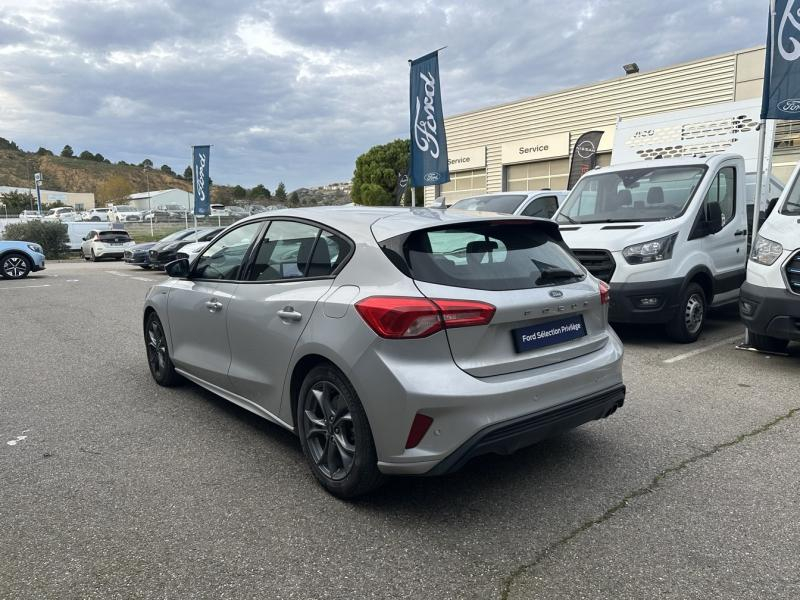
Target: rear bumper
pixel 510 436
pixel 770 311
pixel 137 259
pixel 627 301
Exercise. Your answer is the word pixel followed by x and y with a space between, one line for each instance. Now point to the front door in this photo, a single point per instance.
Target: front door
pixel 291 270
pixel 198 307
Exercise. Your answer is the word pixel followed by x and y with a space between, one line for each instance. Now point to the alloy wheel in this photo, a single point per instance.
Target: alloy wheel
pixel 329 430
pixel 156 347
pixel 694 313
pixel 15 267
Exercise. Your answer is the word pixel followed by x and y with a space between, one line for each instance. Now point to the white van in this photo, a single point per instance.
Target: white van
pixel 667 228
pixel 769 301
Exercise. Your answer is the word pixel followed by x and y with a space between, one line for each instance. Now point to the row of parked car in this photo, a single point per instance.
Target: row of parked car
pixel 130 214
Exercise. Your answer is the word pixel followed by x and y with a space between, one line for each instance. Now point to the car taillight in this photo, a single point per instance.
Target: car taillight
pixel 397 317
pixel 605 293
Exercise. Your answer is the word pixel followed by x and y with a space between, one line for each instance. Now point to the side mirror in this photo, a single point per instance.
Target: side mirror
pixel 714 217
pixel 771 206
pixel 178 268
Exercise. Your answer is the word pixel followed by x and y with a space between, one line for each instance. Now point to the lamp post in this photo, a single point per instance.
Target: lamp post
pixel 3 204
pixel 149 204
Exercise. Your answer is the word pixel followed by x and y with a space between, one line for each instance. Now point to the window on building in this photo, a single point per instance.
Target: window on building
pixel 463 184
pixel 552 174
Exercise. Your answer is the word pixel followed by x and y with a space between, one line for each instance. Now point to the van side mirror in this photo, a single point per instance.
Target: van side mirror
pixel 771 206
pixel 178 268
pixel 713 217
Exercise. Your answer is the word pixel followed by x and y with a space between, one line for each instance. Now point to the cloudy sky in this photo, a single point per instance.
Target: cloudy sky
pixel 294 90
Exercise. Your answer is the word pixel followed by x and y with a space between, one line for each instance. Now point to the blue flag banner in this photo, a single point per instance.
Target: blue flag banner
pixel 202 196
pixel 428 141
pixel 781 97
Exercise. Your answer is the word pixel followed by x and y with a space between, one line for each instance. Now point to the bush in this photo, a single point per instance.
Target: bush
pixel 52 237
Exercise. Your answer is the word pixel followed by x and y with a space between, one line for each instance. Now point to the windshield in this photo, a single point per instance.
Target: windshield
pixel 125 209
pixel 501 203
pixel 791 206
pixel 652 194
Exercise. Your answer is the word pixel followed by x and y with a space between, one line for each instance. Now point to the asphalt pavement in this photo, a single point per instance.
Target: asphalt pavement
pixel 112 487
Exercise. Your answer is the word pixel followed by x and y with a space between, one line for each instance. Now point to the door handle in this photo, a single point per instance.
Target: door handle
pixel 741 232
pixel 289 313
pixel 214 305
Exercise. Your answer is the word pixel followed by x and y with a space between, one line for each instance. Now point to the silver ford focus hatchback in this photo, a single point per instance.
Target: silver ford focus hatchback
pixel 392 341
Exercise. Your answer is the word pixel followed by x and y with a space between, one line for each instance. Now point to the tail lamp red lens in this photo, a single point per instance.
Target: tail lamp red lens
pixel 418 430
pixel 605 293
pixel 399 317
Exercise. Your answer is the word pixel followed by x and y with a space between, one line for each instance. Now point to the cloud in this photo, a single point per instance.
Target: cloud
pixel 295 91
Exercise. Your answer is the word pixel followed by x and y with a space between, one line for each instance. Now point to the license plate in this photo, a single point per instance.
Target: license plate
pixel 549 333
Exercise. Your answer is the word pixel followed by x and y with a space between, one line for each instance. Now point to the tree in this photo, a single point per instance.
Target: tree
pixel 99 157
pixel 375 176
pixel 168 170
pixel 260 192
pixel 147 163
pixel 187 173
pixel 121 163
pixel 43 152
pixel 16 202
pixel 67 152
pixel 239 192
pixel 86 155
pixel 7 144
pixel 294 199
pixel 280 193
pixel 114 189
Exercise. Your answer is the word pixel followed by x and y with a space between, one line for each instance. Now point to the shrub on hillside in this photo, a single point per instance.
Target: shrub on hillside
pixel 52 237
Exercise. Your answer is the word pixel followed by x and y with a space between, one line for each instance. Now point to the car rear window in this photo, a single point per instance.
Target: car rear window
pixel 485 256
pixel 115 236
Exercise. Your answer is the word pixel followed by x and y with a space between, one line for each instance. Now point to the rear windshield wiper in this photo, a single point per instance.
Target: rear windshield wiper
pixel 550 275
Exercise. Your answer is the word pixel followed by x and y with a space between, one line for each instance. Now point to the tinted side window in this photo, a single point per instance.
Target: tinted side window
pixel 544 207
pixel 222 259
pixel 285 251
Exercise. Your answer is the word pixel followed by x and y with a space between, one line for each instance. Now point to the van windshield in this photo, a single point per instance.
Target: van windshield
pixel 791 206
pixel 650 194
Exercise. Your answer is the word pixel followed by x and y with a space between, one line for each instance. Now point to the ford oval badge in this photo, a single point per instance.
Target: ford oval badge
pixel 556 293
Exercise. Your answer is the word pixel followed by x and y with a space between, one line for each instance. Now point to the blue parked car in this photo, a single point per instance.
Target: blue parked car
pixel 17 259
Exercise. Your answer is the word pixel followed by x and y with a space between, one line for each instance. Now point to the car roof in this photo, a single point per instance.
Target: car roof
pixel 386 222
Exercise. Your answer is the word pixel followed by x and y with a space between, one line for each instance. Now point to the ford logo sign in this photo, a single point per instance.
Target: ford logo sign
pixel 431 177
pixel 790 105
pixel 556 293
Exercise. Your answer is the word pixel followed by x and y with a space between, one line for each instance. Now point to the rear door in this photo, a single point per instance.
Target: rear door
pixel 198 307
pixel 291 269
pixel 547 309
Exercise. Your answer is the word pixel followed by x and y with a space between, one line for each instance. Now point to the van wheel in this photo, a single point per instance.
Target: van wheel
pixel 335 435
pixel 687 324
pixel 766 343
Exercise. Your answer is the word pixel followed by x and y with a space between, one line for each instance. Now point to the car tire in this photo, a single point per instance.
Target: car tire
pixel 145 267
pixel 335 434
pixel 83 255
pixel 158 359
pixel 766 343
pixel 94 256
pixel 15 265
pixel 690 318
pixel 95 219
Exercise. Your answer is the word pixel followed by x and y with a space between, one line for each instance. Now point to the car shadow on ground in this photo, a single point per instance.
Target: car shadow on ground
pixel 720 321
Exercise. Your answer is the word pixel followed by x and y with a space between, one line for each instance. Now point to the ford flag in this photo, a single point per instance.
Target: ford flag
pixel 428 142
pixel 202 197
pixel 781 97
pixel 584 156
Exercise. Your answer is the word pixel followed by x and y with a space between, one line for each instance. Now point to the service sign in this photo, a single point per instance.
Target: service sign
pixel 468 159
pixel 538 148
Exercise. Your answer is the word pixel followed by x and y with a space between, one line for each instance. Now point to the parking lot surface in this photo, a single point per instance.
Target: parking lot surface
pixel 112 487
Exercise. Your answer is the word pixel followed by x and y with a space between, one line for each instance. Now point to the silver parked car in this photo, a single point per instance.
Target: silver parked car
pixel 391 341
pixel 537 203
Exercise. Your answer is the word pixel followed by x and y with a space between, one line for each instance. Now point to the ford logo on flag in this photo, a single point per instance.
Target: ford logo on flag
pixel 556 293
pixel 790 105
pixel 431 177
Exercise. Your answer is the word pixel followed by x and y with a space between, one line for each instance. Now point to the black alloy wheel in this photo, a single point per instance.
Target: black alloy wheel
pixel 15 266
pixel 161 367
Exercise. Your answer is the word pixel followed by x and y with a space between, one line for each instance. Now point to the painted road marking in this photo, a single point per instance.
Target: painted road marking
pixel 118 274
pixel 725 342
pixel 21 287
pixel 141 278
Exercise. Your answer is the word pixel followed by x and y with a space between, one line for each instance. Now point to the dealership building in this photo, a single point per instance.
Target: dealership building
pixel 526 144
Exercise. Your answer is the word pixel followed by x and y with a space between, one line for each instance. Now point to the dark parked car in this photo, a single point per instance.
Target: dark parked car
pixel 165 250
pixel 139 255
